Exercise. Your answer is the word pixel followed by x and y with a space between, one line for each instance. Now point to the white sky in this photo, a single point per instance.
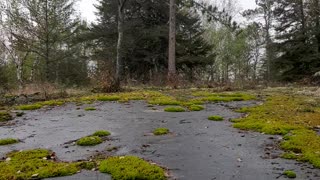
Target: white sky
pixel 87 9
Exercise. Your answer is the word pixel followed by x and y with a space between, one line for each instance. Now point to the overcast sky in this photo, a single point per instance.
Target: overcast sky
pixel 87 9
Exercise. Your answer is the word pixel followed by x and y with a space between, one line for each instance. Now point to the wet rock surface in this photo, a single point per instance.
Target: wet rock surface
pixel 195 149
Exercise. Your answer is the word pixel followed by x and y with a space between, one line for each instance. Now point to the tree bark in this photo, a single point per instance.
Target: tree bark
pixel 172 44
pixel 119 60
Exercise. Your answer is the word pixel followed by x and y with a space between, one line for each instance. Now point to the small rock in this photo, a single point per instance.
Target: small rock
pixel 8 159
pixel 239 160
pixel 35 175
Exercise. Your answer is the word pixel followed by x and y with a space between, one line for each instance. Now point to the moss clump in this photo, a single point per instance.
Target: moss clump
pixel 160 131
pixel 131 167
pixel 163 101
pixel 25 164
pixel 87 165
pixel 8 141
pixel 223 97
pixel 215 118
pixel 89 141
pixel 52 103
pixel 290 174
pixel 174 109
pixel 90 109
pixel 5 116
pixel 30 107
pixel 281 114
pixel 196 108
pixel 108 98
pixel 101 133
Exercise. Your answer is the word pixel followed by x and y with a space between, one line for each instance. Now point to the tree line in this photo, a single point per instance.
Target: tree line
pixel 158 42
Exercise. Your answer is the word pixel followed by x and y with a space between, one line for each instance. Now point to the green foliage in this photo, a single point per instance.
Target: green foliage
pixel 174 109
pixel 131 167
pixel 161 131
pixel 282 115
pixel 108 98
pixel 5 116
pixel 90 109
pixel 89 141
pixel 290 174
pixel 8 141
pixel 30 107
pixel 52 103
pixel 101 133
pixel 34 162
pixel 215 118
pixel 196 108
pixel 222 97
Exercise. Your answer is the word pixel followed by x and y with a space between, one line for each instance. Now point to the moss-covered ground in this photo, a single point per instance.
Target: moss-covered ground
pixel 131 167
pixel 215 118
pixel 293 116
pixel 8 141
pixel 5 116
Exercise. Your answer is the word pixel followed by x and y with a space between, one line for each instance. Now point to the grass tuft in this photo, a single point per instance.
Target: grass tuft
pixel 89 141
pixel 131 167
pixel 160 131
pixel 174 109
pixel 215 118
pixel 101 133
pixel 8 141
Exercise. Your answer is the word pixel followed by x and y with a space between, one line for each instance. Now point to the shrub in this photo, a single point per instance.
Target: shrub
pixel 160 131
pixel 131 167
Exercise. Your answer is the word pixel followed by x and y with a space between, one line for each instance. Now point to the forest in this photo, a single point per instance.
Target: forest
pixel 47 42
pixel 160 90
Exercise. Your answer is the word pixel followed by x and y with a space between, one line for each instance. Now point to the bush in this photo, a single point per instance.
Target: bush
pixel 131 167
pixel 89 141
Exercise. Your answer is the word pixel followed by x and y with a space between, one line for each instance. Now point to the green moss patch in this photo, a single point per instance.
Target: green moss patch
pixel 174 109
pixel 108 98
pixel 284 115
pixel 90 109
pixel 89 141
pixel 29 107
pixel 196 108
pixel 101 133
pixel 30 164
pixel 160 131
pixel 215 118
pixel 131 167
pixel 163 101
pixel 52 103
pixel 5 116
pixel 8 141
pixel 222 97
pixel 290 174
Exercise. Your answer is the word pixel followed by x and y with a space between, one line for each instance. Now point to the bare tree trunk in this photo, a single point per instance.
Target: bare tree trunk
pixel 119 60
pixel 172 44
